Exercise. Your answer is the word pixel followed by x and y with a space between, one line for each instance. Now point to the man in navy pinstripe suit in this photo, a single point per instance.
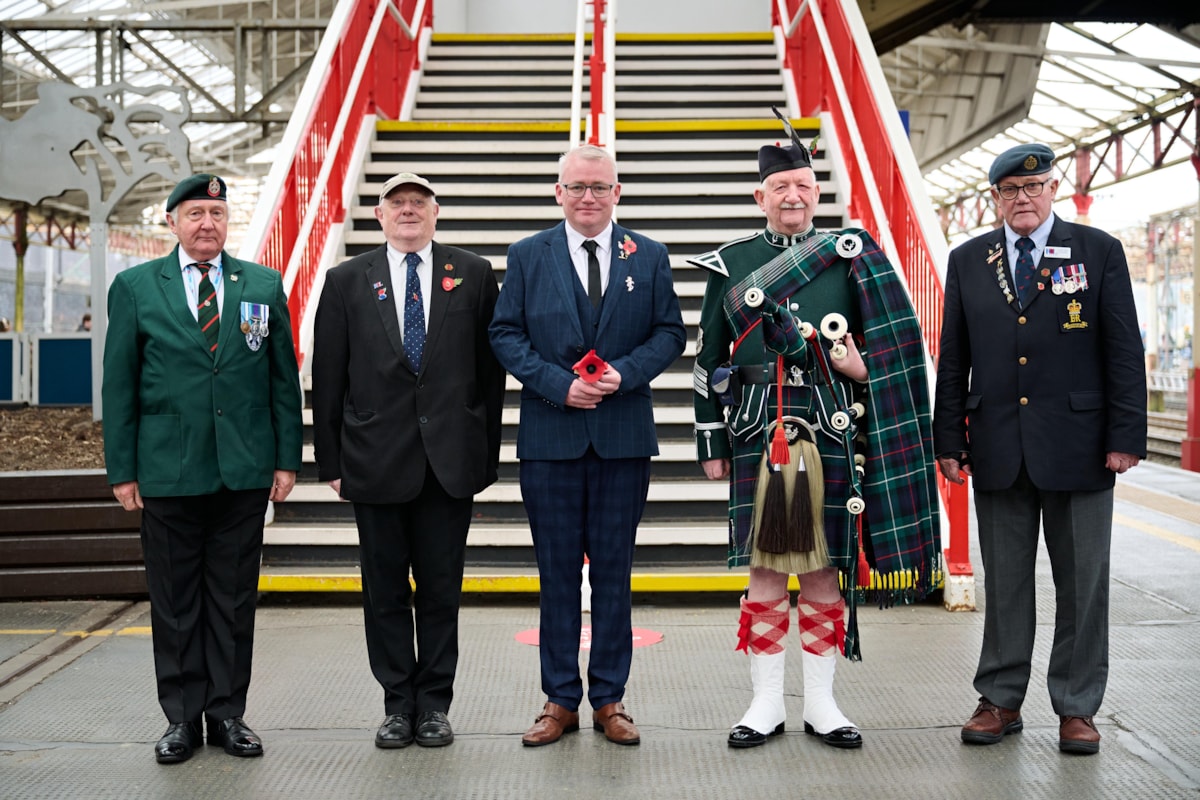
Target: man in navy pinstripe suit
pixel 586 439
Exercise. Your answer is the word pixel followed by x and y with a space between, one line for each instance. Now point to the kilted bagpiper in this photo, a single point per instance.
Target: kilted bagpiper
pixel 811 395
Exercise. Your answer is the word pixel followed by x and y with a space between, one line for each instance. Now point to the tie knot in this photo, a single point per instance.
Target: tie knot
pixel 590 245
pixel 1025 244
pixel 203 266
pixel 413 260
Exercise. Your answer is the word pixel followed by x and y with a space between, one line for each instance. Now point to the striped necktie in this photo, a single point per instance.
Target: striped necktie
pixel 207 311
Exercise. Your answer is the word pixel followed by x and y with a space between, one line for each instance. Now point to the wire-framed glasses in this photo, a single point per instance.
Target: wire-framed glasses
pixel 579 189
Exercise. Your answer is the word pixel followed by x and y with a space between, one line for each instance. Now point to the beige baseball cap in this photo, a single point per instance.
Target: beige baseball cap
pixel 402 178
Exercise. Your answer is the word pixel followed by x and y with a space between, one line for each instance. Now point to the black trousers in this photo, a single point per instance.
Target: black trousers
pixel 412 636
pixel 202 558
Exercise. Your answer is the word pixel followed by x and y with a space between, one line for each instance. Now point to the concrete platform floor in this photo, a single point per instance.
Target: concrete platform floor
pixel 78 713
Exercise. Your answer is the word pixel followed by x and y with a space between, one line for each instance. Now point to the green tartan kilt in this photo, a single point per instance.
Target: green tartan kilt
pixel 750 443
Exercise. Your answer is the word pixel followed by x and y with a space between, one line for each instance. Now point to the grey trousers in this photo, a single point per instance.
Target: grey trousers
pixel 1078 529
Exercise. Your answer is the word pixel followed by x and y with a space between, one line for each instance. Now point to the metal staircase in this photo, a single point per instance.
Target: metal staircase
pixel 487 131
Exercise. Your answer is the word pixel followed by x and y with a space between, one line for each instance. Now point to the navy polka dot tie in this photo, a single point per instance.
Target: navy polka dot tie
pixel 414 314
pixel 1025 269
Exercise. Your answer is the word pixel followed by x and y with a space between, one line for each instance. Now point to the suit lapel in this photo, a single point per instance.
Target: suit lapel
pixel 995 256
pixel 232 281
pixel 443 267
pixel 619 279
pixel 175 296
pixel 378 286
pixel 560 266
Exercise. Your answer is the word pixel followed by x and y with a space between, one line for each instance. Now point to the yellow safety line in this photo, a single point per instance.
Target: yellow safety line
pixel 641 582
pixel 1189 542
pixel 729 36
pixel 667 125
pixel 452 38
pixel 393 125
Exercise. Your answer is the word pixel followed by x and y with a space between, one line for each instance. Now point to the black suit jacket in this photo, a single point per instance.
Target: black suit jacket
pixel 376 420
pixel 1059 383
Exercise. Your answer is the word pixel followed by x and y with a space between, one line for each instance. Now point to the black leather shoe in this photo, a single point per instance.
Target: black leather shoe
pixel 433 729
pixel 235 736
pixel 846 738
pixel 742 736
pixel 178 743
pixel 396 731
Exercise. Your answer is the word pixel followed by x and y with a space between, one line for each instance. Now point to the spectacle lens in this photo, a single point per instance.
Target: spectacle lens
pixel 579 189
pixel 1032 190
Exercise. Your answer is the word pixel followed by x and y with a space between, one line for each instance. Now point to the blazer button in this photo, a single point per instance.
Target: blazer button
pixel 219 412
pixel 1021 320
pixel 216 371
pixel 1024 401
pixel 424 420
pixel 1022 360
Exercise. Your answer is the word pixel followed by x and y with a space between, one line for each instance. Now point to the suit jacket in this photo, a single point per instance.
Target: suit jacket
pixel 1059 383
pixel 541 329
pixel 377 421
pixel 181 420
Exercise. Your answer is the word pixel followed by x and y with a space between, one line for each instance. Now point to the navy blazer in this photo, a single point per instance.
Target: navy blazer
pixel 538 334
pixel 1059 383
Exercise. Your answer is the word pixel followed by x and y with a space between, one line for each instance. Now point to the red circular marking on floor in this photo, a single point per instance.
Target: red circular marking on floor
pixel 641 637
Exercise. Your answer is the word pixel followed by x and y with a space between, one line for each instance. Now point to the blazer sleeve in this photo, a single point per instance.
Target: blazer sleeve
pixel 509 331
pixel 330 378
pixel 1124 360
pixel 122 377
pixel 953 370
pixel 287 397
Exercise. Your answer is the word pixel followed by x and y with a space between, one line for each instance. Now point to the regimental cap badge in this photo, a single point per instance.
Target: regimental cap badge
pixel 214 187
pixel 1031 162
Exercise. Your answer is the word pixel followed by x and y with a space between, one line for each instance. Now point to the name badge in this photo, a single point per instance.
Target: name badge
pixel 255 323
pixel 1057 252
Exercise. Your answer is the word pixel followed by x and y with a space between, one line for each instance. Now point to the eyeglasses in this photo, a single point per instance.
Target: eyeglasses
pixel 579 189
pixel 1032 190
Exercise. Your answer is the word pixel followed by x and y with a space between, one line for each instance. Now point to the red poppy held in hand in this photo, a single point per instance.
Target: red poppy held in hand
pixel 590 367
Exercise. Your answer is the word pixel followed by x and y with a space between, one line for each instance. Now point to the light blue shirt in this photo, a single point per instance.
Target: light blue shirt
pixel 1040 236
pixel 398 269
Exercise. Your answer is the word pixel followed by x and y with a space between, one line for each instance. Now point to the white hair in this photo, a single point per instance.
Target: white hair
pixel 587 152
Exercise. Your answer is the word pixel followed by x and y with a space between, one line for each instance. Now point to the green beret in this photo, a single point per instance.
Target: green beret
pixel 773 158
pixel 1024 159
pixel 197 187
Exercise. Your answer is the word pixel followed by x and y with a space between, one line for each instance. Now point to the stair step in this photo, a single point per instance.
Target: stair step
pixel 494 535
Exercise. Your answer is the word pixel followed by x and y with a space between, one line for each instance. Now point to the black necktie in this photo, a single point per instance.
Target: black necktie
pixel 207 312
pixel 1025 269
pixel 593 272
pixel 414 314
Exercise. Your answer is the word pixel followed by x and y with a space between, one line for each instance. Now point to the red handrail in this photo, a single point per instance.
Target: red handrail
pixel 596 69
pixel 308 197
pixel 831 76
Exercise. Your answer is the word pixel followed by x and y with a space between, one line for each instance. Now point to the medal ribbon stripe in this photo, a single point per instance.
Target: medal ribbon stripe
pixel 207 312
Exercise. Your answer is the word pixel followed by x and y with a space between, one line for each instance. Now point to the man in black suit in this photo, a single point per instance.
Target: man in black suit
pixel 406 415
pixel 1041 398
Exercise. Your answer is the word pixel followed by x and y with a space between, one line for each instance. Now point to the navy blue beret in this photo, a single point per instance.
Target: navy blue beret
pixel 773 158
pixel 197 187
pixel 1024 159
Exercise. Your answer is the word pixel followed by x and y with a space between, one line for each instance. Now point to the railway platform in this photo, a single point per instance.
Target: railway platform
pixel 79 717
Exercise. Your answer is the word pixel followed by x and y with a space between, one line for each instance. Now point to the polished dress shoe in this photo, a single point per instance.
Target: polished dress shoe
pixel 744 736
pixel 1078 735
pixel 396 731
pixel 550 725
pixel 618 726
pixel 990 723
pixel 846 738
pixel 178 743
pixel 235 736
pixel 433 729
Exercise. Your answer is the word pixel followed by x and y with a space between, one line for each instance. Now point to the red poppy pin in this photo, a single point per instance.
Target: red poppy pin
pixel 590 367
pixel 449 283
pixel 628 248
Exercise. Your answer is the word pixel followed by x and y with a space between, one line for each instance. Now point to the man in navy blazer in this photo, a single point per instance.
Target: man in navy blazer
pixel 586 435
pixel 1041 398
pixel 407 398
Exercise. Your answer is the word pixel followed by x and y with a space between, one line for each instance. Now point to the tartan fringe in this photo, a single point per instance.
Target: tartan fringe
pixel 788 529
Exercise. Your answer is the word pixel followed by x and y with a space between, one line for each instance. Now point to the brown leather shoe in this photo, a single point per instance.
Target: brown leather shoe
pixel 617 725
pixel 550 725
pixel 990 723
pixel 1078 735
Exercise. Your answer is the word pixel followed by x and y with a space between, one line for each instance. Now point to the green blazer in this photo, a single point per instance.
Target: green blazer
pixel 180 420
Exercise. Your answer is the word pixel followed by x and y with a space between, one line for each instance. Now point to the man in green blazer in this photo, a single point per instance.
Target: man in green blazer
pixel 202 428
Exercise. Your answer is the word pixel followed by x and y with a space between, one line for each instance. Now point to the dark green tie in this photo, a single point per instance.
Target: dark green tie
pixel 206 307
